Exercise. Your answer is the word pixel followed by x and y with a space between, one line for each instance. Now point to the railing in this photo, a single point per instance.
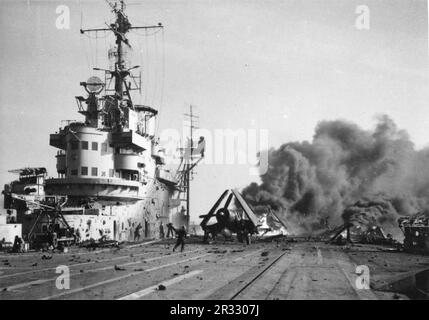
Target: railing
pixel 65 123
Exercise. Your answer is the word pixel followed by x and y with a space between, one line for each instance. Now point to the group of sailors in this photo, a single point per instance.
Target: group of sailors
pixel 180 233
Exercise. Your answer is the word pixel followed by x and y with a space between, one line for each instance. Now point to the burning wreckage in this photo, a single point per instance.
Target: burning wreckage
pixel 416 232
pixel 367 222
pixel 363 224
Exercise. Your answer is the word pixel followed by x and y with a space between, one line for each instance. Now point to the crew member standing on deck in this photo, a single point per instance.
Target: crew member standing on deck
pixel 181 235
pixel 161 231
pixel 137 232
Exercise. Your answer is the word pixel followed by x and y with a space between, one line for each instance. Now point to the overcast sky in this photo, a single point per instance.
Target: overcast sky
pixel 276 65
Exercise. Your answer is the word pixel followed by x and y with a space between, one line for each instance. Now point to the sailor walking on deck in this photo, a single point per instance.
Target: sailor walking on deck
pixel 170 230
pixel 181 235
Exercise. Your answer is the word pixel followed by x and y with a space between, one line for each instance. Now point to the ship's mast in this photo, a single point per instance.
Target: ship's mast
pixel 187 165
pixel 120 28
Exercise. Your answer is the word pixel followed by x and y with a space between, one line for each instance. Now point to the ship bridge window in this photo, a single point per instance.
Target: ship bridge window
pixel 84 171
pixel 111 173
pixel 84 145
pixel 94 172
pixel 104 147
pixel 74 145
pixel 95 146
pixel 73 172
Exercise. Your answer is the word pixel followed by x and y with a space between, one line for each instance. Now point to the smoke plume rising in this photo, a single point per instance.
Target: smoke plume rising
pixel 312 183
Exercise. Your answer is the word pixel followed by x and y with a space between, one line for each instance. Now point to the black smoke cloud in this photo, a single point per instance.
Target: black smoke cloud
pixel 312 183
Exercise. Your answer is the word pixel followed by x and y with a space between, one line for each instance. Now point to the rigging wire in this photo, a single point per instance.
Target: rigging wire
pixel 105 49
pixel 147 69
pixel 106 35
pixel 155 85
pixel 142 66
pixel 162 82
pixel 158 70
pixel 82 41
pixel 96 48
pixel 91 55
pixel 146 34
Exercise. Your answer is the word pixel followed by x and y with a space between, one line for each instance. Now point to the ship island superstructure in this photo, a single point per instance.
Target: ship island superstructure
pixel 112 180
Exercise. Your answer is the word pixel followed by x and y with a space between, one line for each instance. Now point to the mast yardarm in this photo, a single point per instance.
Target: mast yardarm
pixel 120 28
